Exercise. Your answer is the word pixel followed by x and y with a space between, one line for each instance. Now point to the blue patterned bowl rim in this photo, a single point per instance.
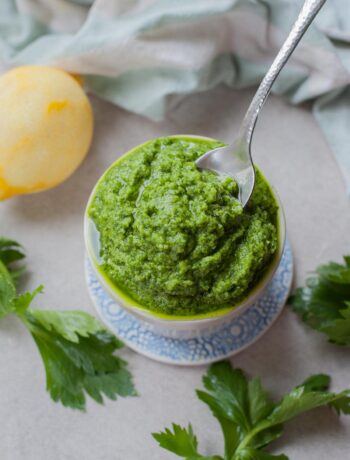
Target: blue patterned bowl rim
pixel 232 337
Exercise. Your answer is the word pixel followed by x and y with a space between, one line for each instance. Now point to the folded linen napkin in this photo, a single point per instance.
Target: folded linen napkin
pixel 145 54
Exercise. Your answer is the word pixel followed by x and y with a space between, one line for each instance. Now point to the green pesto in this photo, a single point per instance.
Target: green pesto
pixel 175 238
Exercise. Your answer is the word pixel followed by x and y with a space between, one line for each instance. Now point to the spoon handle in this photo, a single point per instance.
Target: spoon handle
pixel 305 18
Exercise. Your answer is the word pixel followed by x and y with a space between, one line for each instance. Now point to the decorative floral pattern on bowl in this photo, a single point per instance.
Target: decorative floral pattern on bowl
pixel 208 346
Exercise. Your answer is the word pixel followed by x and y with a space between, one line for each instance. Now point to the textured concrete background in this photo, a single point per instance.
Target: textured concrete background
pixel 291 150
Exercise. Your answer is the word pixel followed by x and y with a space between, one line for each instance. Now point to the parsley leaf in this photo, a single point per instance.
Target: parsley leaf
pixel 324 302
pixel 78 356
pixel 249 419
pixel 253 454
pixel 240 403
pixel 77 351
pixel 182 442
pixel 7 291
pixel 10 254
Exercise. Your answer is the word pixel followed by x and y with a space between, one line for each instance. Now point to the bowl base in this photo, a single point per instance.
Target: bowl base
pixel 234 336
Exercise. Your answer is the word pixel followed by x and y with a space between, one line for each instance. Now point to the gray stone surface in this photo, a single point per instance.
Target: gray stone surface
pixel 291 150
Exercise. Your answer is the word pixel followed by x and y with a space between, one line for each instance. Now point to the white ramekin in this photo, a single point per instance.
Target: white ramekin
pixel 176 326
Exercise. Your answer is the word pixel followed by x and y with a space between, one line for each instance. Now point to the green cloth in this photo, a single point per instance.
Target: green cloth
pixel 145 54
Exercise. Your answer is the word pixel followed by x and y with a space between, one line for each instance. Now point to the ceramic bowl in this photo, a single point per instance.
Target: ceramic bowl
pixel 182 327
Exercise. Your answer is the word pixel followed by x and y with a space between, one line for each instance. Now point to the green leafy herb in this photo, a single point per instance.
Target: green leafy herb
pixel 249 419
pixel 324 302
pixel 77 351
pixel 181 442
pixel 10 253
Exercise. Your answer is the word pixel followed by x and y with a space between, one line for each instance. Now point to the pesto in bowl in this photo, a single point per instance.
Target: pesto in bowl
pixel 176 239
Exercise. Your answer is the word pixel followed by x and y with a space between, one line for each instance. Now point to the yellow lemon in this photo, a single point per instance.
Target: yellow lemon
pixel 46 127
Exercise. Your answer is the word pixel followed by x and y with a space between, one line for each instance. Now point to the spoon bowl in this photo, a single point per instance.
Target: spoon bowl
pixel 235 161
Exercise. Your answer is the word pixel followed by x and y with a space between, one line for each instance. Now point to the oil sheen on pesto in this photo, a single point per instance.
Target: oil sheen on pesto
pixel 175 238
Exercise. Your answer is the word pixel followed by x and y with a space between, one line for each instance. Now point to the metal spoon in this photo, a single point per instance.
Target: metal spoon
pixel 235 160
